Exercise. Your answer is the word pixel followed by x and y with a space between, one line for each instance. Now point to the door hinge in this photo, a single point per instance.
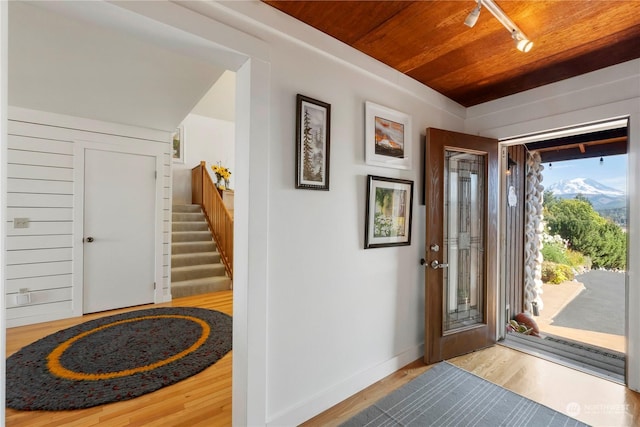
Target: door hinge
pixel 155 174
pixel 154 286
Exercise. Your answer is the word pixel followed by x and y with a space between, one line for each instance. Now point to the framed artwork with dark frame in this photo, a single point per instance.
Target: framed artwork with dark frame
pixel 388 212
pixel 313 132
pixel 387 137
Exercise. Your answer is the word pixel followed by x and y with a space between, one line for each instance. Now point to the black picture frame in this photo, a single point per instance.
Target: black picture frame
pixel 389 212
pixel 313 137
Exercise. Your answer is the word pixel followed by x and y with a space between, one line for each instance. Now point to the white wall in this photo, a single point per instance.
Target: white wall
pixel 336 311
pixel 45 185
pixel 4 32
pixel 69 59
pixel 220 101
pixel 208 139
pixel 39 258
pixel 338 317
pixel 608 93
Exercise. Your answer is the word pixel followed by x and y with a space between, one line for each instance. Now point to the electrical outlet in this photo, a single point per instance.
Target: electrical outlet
pixel 20 222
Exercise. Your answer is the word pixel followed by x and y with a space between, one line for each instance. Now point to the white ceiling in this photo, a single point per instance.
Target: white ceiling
pixel 220 101
pixel 100 61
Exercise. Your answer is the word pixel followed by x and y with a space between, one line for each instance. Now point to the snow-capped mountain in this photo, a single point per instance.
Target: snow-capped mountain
pixel 600 196
pixel 584 186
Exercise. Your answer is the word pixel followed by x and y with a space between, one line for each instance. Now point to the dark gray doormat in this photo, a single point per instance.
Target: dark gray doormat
pixel 603 362
pixel 448 395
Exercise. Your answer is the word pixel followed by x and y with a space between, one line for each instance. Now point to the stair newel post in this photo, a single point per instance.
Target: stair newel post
pixel 197 183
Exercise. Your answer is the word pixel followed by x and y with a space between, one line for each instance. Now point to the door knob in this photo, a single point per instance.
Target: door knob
pixel 436 265
pixel 89 239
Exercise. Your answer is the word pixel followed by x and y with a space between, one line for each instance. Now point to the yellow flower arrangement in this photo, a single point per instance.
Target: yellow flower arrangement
pixel 221 172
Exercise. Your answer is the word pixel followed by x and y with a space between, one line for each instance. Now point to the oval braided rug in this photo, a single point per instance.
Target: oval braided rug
pixel 116 358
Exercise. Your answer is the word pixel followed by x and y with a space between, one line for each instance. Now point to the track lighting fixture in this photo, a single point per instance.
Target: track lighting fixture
pixel 522 42
pixel 472 18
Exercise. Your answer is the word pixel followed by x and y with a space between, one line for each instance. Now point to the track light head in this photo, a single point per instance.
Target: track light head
pixel 472 18
pixel 522 43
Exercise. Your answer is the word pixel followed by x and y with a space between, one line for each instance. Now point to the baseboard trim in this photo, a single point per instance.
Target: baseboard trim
pixel 345 389
pixel 40 318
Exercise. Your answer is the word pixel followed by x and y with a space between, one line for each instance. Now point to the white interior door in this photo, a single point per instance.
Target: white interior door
pixel 119 223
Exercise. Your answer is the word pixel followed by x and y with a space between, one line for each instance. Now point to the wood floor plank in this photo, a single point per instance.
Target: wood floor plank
pixel 598 402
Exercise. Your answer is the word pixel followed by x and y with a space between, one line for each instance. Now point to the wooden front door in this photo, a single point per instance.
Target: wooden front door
pixel 461 243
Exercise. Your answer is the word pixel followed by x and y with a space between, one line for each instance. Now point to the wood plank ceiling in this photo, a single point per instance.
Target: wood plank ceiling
pixel 428 41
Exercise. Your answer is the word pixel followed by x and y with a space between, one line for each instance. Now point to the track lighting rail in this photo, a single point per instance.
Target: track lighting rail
pixel 521 40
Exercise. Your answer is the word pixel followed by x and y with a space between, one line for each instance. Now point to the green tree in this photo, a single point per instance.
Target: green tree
pixel 587 232
pixel 612 250
pixel 549 199
pixel 583 198
pixel 574 221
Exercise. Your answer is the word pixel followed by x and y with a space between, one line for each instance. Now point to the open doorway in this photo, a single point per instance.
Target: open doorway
pixel 567 299
pixel 202 210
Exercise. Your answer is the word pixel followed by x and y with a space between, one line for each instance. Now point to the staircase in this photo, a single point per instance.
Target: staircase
pixel 195 263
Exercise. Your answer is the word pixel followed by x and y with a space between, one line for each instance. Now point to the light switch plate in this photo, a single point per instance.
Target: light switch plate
pixel 20 222
pixel 23 299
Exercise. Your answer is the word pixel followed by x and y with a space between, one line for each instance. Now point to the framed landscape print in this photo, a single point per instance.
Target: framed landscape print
pixel 313 131
pixel 387 137
pixel 388 212
pixel 178 145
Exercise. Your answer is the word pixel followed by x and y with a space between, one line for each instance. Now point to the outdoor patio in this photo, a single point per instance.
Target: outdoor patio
pixel 558 297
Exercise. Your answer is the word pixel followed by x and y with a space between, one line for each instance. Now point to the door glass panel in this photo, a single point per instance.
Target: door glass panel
pixel 463 252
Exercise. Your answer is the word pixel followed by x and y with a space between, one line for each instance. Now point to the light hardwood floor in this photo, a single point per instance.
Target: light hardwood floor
pixel 590 399
pixel 205 398
pixel 201 400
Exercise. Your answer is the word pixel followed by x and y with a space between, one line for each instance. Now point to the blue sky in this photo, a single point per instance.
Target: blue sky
pixel 612 172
